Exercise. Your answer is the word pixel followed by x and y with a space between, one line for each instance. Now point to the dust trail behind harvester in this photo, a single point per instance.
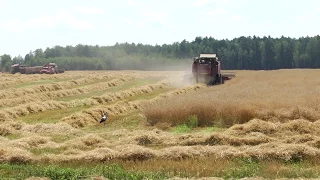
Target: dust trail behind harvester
pixel 182 76
pixel 175 69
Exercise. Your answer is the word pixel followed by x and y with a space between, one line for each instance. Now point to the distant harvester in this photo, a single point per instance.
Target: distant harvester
pixel 50 68
pixel 207 69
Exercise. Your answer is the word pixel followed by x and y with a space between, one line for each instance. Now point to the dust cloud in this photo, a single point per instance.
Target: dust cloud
pixel 180 73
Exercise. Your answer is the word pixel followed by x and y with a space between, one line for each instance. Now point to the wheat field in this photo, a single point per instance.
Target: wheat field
pixel 157 122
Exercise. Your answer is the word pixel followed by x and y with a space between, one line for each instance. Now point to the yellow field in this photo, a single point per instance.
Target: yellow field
pixel 265 115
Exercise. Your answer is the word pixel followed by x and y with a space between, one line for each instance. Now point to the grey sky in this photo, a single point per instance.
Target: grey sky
pixel 28 25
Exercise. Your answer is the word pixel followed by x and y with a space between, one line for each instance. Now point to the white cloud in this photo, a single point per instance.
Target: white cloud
pixel 88 10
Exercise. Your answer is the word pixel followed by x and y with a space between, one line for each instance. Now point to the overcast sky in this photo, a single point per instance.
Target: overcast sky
pixel 30 24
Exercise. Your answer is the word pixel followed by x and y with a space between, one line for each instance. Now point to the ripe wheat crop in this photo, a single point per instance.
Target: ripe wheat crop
pixel 272 96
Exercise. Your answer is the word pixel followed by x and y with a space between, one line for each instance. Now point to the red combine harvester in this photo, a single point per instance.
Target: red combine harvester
pixel 207 69
pixel 51 68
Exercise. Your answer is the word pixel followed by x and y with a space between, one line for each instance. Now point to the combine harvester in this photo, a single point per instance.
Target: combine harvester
pixel 50 68
pixel 207 69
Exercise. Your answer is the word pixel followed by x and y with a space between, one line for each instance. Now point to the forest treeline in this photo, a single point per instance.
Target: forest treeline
pixel 252 53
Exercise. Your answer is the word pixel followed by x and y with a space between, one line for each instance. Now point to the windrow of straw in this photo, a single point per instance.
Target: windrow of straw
pixel 59 128
pixel 4 116
pixel 15 155
pixel 290 128
pixel 14 92
pixel 66 92
pixel 270 151
pixel 5 130
pixel 248 134
pixel 19 80
pixel 111 97
pixel 240 141
pixel 11 80
pixel 92 116
pixel 41 106
pixel 29 108
pixel 7 80
pixel 241 136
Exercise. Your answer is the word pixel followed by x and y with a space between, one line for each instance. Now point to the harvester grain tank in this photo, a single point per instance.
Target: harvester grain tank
pixel 207 69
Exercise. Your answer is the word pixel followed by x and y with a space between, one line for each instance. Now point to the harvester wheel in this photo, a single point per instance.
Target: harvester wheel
pixel 212 81
pixel 221 79
pixel 197 78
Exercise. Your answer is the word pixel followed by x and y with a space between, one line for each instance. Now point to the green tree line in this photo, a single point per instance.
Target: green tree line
pixel 252 53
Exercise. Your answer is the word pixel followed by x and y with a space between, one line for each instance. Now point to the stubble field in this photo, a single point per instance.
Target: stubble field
pixel 260 124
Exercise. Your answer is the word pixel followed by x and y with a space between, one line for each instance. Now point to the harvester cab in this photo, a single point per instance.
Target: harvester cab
pixel 207 69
